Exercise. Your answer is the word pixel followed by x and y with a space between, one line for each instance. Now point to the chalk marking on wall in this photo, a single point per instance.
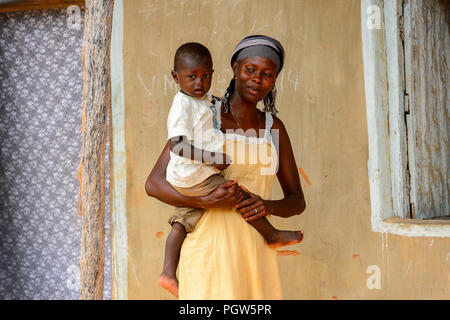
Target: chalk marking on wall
pixel 170 12
pixel 296 82
pixel 233 4
pixel 119 237
pixel 409 266
pixel 280 83
pixel 153 81
pixel 235 11
pixel 195 11
pixel 155 35
pixel 252 28
pixel 278 21
pixel 135 275
pixel 143 84
pixel 204 2
pixel 171 6
pixel 168 81
pixel 238 21
pixel 219 3
pixel 148 11
pixel 255 30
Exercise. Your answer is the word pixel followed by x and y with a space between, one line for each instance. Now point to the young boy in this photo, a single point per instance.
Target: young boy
pixel 196 158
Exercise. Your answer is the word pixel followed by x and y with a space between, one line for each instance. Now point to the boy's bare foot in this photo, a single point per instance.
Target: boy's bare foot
pixel 285 238
pixel 169 283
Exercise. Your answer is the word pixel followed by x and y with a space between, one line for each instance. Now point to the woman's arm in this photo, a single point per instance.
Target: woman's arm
pixel 226 195
pixel 294 201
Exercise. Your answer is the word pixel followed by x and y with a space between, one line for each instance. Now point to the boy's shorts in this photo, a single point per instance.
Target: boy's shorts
pixel 189 217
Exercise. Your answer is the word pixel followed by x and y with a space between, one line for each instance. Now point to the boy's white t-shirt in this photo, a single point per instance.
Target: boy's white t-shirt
pixel 193 118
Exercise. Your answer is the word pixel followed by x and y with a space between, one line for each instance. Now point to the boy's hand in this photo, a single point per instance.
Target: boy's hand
pixel 220 167
pixel 225 195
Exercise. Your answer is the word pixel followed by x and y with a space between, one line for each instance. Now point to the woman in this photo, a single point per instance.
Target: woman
pixel 224 257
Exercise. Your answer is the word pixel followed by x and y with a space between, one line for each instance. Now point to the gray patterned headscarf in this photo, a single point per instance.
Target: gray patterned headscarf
pixel 259 51
pixel 257 46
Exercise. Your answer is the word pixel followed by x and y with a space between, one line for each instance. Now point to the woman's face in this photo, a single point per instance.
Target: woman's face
pixel 255 77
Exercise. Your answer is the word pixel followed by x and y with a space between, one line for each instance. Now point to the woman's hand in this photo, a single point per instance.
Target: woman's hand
pixel 252 208
pixel 225 195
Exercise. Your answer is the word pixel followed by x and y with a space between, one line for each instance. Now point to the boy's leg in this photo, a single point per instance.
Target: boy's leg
pixel 168 279
pixel 275 238
pixel 183 221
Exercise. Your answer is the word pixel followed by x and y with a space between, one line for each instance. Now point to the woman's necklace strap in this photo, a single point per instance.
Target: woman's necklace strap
pixel 237 122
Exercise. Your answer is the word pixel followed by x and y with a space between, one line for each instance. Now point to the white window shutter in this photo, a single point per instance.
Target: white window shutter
pixel 427 59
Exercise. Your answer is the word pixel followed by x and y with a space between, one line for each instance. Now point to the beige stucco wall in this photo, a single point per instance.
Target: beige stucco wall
pixel 321 102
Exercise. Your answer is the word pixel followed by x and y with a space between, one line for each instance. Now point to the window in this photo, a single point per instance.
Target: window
pixel 406 47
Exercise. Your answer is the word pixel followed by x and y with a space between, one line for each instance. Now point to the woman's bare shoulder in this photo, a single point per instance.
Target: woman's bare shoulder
pixel 278 124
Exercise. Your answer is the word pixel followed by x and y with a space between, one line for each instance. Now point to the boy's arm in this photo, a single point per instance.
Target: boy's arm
pixel 181 147
pixel 224 196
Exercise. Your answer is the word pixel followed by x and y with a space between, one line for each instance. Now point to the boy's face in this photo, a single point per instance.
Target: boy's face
pixel 194 77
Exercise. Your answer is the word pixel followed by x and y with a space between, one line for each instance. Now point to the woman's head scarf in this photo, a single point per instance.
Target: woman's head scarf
pixel 257 46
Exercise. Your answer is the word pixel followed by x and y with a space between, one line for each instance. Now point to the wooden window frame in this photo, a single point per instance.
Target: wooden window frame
pixel 385 103
pixel 38 5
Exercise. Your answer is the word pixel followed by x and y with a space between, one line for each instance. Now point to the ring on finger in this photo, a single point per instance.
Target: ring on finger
pixel 256 210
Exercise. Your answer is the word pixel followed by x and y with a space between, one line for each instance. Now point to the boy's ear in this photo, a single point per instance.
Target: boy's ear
pixel 175 76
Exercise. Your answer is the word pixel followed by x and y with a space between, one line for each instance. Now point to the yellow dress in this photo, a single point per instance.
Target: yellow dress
pixel 225 257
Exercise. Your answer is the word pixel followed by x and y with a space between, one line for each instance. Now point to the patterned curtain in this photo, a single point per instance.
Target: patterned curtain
pixel 41 85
